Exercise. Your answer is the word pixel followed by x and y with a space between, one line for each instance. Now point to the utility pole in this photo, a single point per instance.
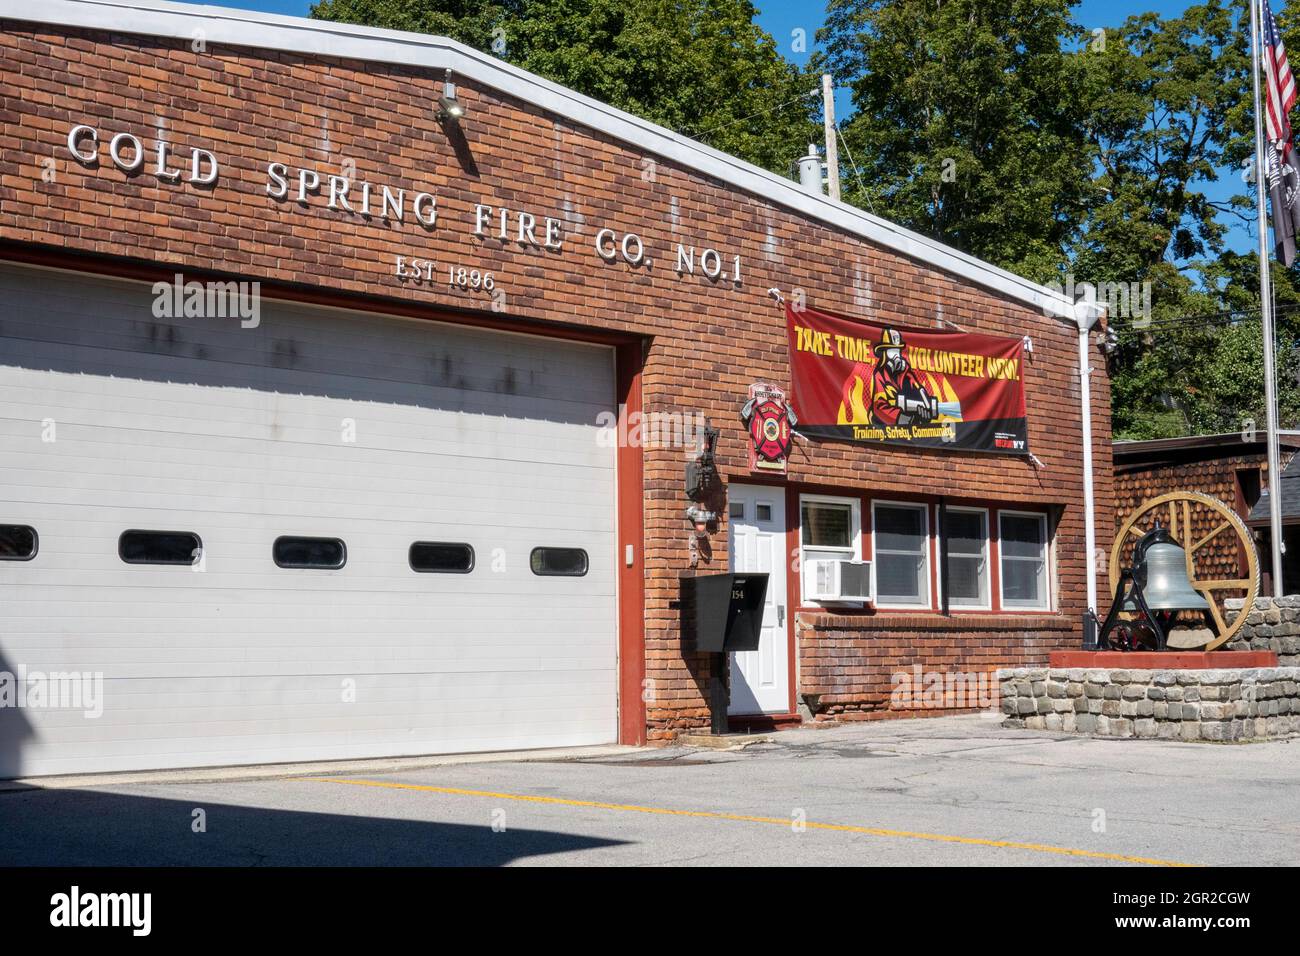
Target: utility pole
pixel 1266 308
pixel 832 147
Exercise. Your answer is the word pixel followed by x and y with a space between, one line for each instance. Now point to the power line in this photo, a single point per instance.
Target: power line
pixel 743 119
pixel 1211 319
pixel 856 171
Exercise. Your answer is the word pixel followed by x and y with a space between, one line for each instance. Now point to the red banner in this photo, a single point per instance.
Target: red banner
pixel 894 385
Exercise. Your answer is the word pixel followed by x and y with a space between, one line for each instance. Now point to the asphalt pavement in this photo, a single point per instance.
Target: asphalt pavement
pixel 933 792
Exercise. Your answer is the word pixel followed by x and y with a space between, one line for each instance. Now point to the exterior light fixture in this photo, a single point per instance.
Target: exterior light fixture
pixel 450 108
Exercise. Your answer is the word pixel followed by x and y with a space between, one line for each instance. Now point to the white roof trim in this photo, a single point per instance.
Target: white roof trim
pixel 221 25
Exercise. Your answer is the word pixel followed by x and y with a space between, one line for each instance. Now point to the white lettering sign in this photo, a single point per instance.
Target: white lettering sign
pixel 346 192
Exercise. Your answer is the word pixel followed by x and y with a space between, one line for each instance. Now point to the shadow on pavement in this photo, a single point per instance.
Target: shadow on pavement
pixel 94 828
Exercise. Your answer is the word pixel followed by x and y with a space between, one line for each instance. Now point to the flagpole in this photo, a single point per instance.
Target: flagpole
pixel 1266 306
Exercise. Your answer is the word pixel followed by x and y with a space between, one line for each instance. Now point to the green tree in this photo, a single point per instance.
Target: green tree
pixel 1199 369
pixel 700 67
pixel 1169 110
pixel 966 122
pixel 1092 154
pixel 1168 106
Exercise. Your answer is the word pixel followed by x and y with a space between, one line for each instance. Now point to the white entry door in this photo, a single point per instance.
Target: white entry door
pixel 760 680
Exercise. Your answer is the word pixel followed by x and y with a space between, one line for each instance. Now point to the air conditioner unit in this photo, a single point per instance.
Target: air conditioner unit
pixel 832 579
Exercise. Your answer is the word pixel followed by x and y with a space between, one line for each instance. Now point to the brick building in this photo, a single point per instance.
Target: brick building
pixel 391 471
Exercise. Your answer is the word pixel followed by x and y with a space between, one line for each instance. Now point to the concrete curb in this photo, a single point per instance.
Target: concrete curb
pixel 315 769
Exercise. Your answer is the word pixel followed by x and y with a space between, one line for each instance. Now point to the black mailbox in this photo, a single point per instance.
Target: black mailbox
pixel 724 612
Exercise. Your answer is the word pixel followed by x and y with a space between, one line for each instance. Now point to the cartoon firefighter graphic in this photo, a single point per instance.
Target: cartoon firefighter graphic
pixel 897 395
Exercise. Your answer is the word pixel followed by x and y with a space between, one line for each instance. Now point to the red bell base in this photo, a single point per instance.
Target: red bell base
pixel 1163 660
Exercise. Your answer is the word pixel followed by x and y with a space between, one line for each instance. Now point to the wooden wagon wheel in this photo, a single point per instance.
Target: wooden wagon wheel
pixel 1204 526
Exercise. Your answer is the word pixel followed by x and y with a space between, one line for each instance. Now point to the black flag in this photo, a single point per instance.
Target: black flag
pixel 1284 194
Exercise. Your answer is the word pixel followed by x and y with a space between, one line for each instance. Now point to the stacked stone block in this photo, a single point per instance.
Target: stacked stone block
pixel 1272 625
pixel 1231 704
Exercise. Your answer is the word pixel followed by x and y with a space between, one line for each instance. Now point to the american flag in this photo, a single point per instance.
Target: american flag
pixel 1278 82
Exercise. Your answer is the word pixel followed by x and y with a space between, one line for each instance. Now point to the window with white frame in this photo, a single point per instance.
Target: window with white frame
pixel 1022 542
pixel 828 528
pixel 901 554
pixel 966 531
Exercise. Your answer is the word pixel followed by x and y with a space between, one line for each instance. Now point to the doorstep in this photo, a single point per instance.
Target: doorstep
pixel 748 723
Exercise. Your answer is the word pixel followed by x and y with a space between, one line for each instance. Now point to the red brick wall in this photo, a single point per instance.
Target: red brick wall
pixel 852 666
pixel 706 342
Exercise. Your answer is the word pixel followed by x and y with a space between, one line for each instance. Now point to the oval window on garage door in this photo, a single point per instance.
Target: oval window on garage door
pixel 17 542
pixel 159 547
pixel 291 551
pixel 559 562
pixel 438 557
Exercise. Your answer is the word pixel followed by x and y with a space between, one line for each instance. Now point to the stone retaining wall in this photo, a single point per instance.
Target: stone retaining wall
pixel 1273 625
pixel 1230 704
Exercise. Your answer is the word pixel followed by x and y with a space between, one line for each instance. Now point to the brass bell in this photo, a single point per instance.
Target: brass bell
pixel 1167 587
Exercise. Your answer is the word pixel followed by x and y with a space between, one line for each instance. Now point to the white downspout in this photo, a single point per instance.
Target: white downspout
pixel 1086 313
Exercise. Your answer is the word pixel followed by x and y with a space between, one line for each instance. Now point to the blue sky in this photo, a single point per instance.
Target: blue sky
pixel 781 17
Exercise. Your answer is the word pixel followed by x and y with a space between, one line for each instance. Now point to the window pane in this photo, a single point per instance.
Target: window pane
pixel 565 562
pixel 1022 536
pixel 17 542
pixel 827 525
pixel 899 578
pixel 159 547
pixel 1022 582
pixel 432 557
pixel 965 579
pixel 965 532
pixel 900 529
pixel 295 552
pixel 762 512
pixel 736 509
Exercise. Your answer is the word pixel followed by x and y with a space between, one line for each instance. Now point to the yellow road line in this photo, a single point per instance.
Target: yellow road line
pixel 743 818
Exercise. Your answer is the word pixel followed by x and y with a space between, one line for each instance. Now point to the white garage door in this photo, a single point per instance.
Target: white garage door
pixel 320 423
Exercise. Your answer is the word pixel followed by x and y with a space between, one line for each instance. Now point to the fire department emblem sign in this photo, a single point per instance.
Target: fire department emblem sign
pixel 770 421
